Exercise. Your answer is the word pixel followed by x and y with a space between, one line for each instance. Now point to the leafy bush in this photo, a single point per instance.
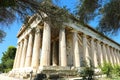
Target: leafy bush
pixel 116 70
pixel 107 69
pixel 87 73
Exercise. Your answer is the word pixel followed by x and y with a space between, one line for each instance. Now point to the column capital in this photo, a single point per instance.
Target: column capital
pixel 84 36
pixel 98 41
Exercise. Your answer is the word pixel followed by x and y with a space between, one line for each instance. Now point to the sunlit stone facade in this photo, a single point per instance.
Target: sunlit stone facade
pixel 37 49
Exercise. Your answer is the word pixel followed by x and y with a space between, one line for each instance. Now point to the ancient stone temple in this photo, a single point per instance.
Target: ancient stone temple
pixel 39 50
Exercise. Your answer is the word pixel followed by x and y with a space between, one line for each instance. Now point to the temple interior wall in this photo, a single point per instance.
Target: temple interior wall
pixel 69 48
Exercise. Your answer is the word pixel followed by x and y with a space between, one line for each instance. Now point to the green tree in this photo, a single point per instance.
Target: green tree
pixel 8 59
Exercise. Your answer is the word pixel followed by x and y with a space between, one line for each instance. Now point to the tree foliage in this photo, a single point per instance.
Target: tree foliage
pixel 2 35
pixel 107 69
pixel 110 21
pixel 86 11
pixel 7 59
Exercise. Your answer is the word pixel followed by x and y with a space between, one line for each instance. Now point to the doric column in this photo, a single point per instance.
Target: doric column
pixel 46 43
pixel 36 49
pixel 76 50
pixel 54 54
pixel 112 55
pixel 85 50
pixel 23 56
pixel 109 55
pixel 29 51
pixel 94 53
pixel 16 56
pixel 62 48
pixel 118 57
pixel 19 55
pixel 100 52
pixel 105 53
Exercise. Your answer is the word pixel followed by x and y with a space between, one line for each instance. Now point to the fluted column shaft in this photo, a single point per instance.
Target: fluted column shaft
pixel 85 50
pixel 23 56
pixel 19 55
pixel 94 53
pixel 36 49
pixel 100 52
pixel 29 51
pixel 46 44
pixel 109 56
pixel 105 53
pixel 112 54
pixel 62 48
pixel 54 55
pixel 76 50
pixel 118 57
pixel 16 56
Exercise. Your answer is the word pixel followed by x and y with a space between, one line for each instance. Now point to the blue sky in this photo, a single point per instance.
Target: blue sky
pixel 11 39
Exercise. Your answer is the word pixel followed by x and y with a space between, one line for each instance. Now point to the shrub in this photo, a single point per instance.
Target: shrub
pixel 107 69
pixel 116 70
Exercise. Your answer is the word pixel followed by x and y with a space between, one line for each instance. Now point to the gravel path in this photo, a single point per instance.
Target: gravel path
pixel 5 77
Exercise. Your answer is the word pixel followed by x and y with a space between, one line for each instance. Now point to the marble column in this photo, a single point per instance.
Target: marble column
pixel 76 50
pixel 29 50
pixel 23 56
pixel 19 55
pixel 36 49
pixel 94 53
pixel 62 48
pixel 46 44
pixel 100 52
pixel 105 53
pixel 54 54
pixel 85 50
pixel 16 56
pixel 112 54
pixel 118 57
pixel 109 55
